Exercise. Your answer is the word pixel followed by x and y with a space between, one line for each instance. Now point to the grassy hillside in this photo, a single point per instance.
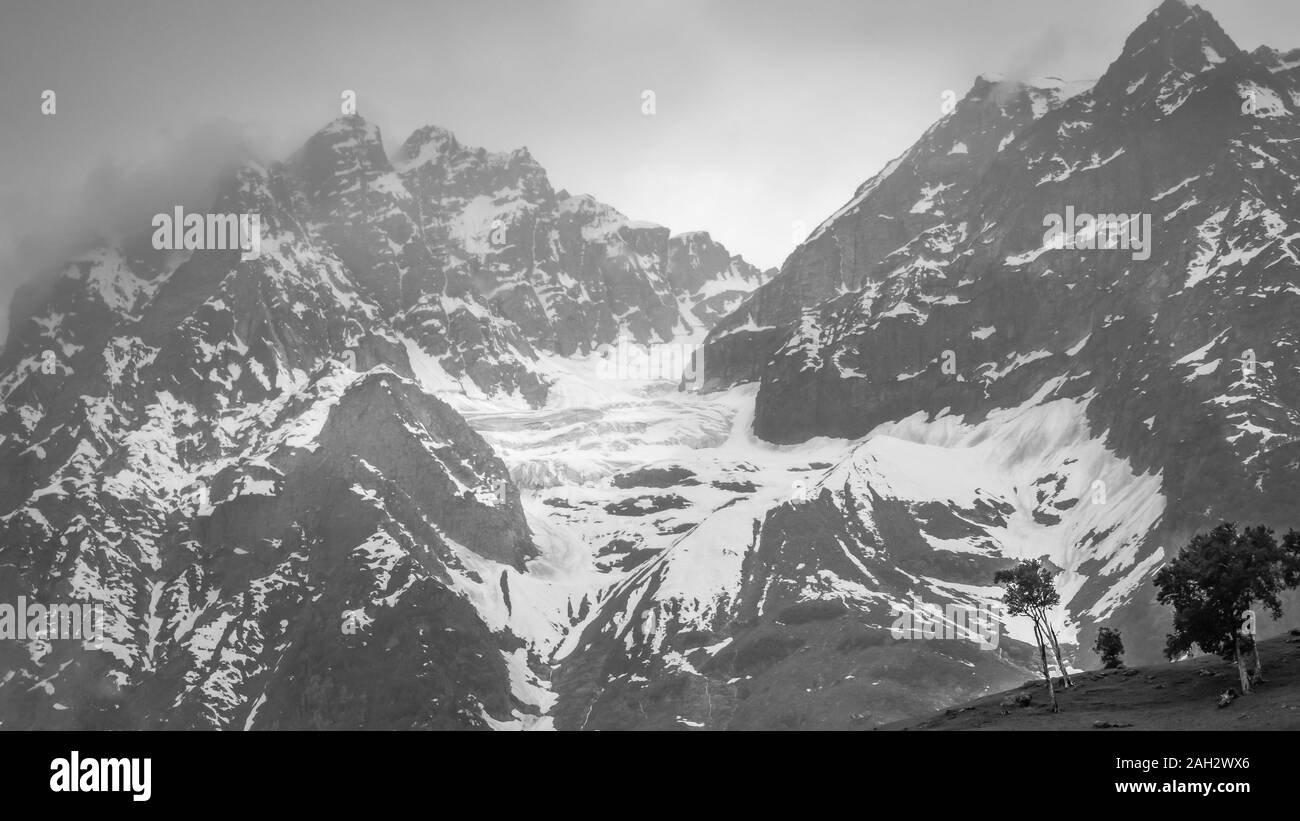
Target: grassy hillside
pixel 1179 696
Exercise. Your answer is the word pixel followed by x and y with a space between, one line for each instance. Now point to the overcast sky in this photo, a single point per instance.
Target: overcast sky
pixel 767 113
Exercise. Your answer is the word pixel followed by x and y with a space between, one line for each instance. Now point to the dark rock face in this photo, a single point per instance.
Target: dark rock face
pixel 715 281
pixel 936 291
pixel 301 571
pixel 568 271
pixel 379 229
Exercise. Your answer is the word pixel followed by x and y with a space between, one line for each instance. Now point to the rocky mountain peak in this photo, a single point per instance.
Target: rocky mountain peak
pixel 1173 46
pixel 430 143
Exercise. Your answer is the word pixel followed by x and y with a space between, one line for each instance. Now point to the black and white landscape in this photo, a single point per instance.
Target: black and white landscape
pixel 458 448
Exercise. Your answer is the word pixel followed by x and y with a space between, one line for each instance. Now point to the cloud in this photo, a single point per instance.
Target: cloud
pixel 42 230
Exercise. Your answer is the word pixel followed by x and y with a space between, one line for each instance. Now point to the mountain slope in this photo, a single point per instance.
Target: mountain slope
pixel 1180 360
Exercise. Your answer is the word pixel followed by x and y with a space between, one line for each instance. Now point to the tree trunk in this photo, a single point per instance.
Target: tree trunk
pixel 1241 663
pixel 1056 648
pixel 1047 674
pixel 1259 665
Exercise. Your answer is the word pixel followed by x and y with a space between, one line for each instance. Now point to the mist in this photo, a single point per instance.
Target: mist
pixel 43 230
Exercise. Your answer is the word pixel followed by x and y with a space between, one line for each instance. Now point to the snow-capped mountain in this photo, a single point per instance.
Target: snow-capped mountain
pixel 246 462
pixel 569 271
pixel 1158 378
pixel 421 464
